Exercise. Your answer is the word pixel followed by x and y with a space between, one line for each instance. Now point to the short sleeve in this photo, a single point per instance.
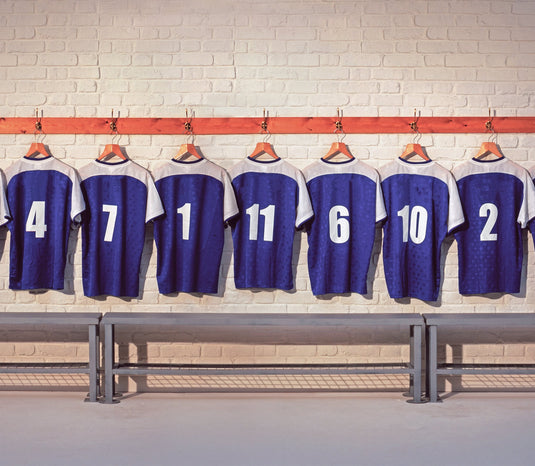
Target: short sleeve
pixel 154 203
pixel 304 205
pixel 527 209
pixel 5 215
pixel 77 199
pixel 455 208
pixel 380 209
pixel 230 206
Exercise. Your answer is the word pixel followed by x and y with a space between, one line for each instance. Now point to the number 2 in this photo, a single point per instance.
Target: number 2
pixel 491 211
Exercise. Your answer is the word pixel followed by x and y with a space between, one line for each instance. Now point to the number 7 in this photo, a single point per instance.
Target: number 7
pixel 110 225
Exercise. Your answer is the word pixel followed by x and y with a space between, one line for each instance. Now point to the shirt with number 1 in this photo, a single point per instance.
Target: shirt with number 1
pixel 120 197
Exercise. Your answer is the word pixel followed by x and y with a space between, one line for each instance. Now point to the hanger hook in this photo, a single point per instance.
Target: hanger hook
pixel 264 124
pixel 414 124
pixel 38 124
pixel 113 122
pixel 187 124
pixel 488 125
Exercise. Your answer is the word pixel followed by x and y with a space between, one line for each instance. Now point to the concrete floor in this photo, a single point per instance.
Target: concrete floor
pixel 266 429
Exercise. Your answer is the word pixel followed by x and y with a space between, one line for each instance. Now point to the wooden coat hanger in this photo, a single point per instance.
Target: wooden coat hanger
pixel 264 147
pixel 489 147
pixel 112 150
pixel 37 148
pixel 414 148
pixel 338 147
pixel 189 148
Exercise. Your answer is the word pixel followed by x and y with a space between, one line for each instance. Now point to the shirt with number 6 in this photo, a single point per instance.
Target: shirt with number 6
pixel 45 201
pixel 423 207
pixel 120 197
pixel 273 201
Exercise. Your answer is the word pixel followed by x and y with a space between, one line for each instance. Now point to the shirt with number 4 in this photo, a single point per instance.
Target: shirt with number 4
pixel 498 197
pixel 423 207
pixel 45 201
pixel 120 198
pixel 273 201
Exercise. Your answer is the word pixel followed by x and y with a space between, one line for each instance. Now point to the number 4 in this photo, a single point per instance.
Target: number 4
pixel 36 219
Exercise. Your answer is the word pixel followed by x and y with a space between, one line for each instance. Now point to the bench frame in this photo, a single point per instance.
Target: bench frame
pixel 484 320
pixel 89 319
pixel 412 322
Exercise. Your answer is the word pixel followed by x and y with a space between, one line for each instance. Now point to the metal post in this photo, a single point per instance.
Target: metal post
pixel 432 363
pixel 417 363
pixel 93 363
pixel 109 358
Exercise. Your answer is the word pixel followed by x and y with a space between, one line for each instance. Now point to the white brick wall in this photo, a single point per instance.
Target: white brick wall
pixel 295 58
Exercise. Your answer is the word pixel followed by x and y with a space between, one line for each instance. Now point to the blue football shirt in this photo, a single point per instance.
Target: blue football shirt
pixel 423 207
pixel 198 200
pixel 273 200
pixel 347 201
pixel 120 198
pixel 498 198
pixel 45 200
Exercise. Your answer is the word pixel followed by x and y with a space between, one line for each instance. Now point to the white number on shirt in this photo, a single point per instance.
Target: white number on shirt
pixel 414 223
pixel 269 221
pixel 36 219
pixel 110 226
pixel 338 224
pixel 185 211
pixel 491 212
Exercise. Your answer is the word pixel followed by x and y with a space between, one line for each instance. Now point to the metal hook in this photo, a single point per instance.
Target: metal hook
pixel 264 124
pixel 187 124
pixel 414 124
pixel 338 122
pixel 113 122
pixel 38 125
pixel 488 125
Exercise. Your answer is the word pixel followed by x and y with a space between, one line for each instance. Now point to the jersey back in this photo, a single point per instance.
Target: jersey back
pixel 498 199
pixel 273 200
pixel 198 199
pixel 45 198
pixel 347 202
pixel 120 200
pixel 423 206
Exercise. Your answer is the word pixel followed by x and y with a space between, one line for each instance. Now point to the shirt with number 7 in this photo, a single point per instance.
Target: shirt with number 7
pixel 121 198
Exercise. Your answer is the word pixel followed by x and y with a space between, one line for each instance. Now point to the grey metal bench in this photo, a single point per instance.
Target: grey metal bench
pixel 436 322
pixel 42 319
pixel 412 323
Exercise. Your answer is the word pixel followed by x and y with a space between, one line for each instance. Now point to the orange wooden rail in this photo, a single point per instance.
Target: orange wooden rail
pixel 276 125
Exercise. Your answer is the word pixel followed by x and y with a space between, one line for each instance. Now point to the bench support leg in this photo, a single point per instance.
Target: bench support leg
pixel 416 363
pixel 431 377
pixel 109 358
pixel 93 363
